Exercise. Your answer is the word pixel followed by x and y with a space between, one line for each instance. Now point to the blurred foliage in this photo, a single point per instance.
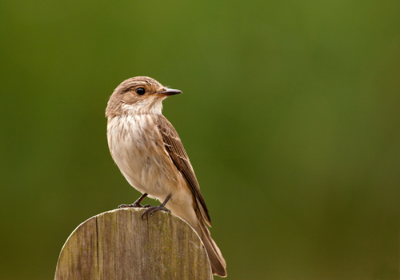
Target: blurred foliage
pixel 290 115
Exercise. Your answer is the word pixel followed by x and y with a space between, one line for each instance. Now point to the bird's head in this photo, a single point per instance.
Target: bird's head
pixel 138 95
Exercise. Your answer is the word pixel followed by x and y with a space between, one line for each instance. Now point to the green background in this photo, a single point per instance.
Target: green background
pixel 290 116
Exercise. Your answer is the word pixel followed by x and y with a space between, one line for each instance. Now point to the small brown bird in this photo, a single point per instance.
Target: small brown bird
pixel 150 154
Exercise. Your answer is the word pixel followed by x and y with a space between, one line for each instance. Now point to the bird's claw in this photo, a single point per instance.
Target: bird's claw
pixel 134 205
pixel 152 209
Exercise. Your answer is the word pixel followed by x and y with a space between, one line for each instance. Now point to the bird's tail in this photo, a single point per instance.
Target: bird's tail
pixel 217 261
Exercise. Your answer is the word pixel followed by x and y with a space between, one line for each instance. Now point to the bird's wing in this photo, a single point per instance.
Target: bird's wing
pixel 177 153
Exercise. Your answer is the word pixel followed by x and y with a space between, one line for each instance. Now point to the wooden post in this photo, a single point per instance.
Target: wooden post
pixel 120 245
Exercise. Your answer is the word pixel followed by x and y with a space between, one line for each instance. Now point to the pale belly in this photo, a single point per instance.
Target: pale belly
pixel 140 155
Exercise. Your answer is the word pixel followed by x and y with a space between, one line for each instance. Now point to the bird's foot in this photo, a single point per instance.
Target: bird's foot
pixel 136 204
pixel 152 209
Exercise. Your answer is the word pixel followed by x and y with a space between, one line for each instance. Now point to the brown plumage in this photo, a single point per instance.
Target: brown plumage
pixel 151 156
pixel 176 151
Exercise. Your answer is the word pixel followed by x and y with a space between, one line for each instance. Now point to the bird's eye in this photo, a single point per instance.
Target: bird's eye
pixel 140 91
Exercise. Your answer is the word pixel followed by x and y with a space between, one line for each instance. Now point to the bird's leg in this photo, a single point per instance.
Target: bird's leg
pixel 152 209
pixel 136 204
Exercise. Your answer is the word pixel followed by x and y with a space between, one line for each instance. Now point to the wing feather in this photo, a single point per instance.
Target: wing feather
pixel 177 153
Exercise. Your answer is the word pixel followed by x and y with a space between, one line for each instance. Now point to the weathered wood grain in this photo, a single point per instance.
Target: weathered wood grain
pixel 120 245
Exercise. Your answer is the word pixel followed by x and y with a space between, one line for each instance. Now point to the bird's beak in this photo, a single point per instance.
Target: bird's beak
pixel 169 92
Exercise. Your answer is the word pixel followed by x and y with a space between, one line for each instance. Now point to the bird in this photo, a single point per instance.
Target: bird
pixel 150 154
